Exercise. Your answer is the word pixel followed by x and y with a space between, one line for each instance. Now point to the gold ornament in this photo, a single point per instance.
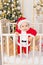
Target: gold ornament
pixel 39 7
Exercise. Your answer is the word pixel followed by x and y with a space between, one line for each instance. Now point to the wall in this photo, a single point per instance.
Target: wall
pixel 27 9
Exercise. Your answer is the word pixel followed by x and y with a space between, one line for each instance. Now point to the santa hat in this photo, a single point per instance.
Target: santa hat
pixel 21 20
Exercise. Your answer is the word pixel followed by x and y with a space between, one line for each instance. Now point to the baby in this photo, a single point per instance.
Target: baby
pixel 23 28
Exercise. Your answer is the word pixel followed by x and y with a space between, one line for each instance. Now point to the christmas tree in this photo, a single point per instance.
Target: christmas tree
pixel 12 10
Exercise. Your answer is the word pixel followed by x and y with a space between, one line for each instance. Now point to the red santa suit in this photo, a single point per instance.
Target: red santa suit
pixel 24 34
pixel 30 31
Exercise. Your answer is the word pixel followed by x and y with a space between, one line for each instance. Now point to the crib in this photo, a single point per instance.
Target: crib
pixel 35 56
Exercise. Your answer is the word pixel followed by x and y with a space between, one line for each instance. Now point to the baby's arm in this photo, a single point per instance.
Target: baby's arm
pixel 30 39
pixel 17 32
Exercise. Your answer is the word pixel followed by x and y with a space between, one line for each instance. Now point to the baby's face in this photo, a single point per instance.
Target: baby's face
pixel 24 26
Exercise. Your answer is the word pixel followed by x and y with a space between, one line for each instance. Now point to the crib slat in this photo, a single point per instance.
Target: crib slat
pixel 14 43
pixel 7 46
pixel 20 47
pixel 27 46
pixel 2 51
pixel 40 49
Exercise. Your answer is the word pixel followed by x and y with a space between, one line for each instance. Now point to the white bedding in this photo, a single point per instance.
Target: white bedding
pixel 36 59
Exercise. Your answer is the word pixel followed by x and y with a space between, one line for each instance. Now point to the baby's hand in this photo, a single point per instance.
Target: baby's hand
pixel 17 33
pixel 30 39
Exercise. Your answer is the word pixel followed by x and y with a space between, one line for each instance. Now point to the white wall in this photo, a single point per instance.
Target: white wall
pixel 27 9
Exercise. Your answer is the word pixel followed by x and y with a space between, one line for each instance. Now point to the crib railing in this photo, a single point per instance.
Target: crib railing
pixel 14 43
pixel 38 27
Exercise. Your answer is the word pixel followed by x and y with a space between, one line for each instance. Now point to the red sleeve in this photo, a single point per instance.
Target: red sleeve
pixel 17 30
pixel 32 31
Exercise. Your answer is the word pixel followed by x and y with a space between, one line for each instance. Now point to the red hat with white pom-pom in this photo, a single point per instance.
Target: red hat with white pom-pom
pixel 21 20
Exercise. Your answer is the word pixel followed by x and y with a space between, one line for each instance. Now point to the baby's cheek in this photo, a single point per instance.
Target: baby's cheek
pixel 27 28
pixel 21 28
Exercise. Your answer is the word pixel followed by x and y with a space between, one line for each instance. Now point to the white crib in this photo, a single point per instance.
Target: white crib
pixel 33 58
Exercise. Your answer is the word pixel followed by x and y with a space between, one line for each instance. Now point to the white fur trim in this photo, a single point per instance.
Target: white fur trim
pixel 23 45
pixel 22 22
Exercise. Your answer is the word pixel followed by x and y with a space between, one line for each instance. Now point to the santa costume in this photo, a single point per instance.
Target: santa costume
pixel 24 34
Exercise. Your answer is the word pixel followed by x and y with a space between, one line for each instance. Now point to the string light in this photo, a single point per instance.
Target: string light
pixel 0 12
pixel 18 8
pixel 12 5
pixel 17 1
pixel 11 11
pixel 7 3
pixel 4 11
pixel 13 15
